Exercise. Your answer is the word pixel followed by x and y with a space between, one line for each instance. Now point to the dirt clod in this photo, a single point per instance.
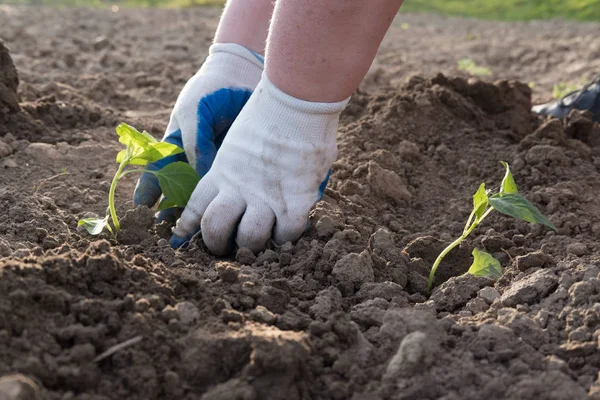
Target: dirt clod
pixel 530 289
pixel 352 271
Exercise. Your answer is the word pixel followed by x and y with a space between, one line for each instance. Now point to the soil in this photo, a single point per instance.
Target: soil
pixel 343 313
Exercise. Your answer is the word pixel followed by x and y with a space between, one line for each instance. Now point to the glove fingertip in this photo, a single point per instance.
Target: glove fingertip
pixel 177 241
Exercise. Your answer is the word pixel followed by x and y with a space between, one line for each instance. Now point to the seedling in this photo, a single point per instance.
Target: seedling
pixel 470 67
pixel 177 180
pixel 507 201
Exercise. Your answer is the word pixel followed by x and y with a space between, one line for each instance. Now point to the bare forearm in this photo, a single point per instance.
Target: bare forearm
pixel 320 50
pixel 245 22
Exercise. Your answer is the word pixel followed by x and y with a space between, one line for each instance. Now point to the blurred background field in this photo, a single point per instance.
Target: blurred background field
pixel 515 10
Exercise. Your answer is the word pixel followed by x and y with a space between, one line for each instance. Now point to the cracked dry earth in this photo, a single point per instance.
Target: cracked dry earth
pixel 343 313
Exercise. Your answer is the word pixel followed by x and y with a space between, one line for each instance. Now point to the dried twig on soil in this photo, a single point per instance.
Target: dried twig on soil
pixel 118 347
pixel 43 181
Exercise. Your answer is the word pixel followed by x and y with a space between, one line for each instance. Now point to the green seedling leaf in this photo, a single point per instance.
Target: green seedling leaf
pixel 121 155
pixel 516 206
pixel 472 68
pixel 158 151
pixel 151 153
pixel 485 265
pixel 165 203
pixel 508 183
pixel 139 145
pixel 480 201
pixel 94 226
pixel 177 181
pixel 131 137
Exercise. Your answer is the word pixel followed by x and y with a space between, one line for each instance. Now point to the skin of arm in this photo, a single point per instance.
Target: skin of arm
pixel 320 50
pixel 245 22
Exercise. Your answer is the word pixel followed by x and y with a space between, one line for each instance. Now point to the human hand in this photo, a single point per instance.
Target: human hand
pixel 270 171
pixel 204 111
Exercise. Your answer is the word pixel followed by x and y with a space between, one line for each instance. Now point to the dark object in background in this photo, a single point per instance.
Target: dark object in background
pixel 586 98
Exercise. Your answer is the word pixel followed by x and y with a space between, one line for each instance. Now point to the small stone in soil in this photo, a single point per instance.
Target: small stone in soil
pixel 187 312
pixel 245 256
pixel 416 283
pixel 457 291
pixel 227 271
pixel 415 353
pixel 530 288
pixel 352 271
pixel 384 290
pixel 262 314
pixel 5 149
pixel 532 260
pixel 581 292
pixel 18 387
pixel 369 313
pixel 489 294
pixel 327 302
pixel 9 163
pixel 325 227
pixel 267 256
pixel 387 183
pixel 477 305
pixel 101 42
pixel 518 240
pixel 229 315
pixel 577 249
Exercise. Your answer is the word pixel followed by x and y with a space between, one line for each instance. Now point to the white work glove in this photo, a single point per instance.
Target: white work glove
pixel 270 171
pixel 205 109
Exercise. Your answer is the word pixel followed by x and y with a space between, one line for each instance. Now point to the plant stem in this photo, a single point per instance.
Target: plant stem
pixel 468 229
pixel 111 196
pixel 129 171
pixel 438 260
pixel 468 224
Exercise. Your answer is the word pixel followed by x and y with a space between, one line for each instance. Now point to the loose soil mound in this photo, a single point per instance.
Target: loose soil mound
pixel 341 314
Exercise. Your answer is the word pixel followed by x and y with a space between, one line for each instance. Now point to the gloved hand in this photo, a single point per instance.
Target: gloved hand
pixel 204 111
pixel 270 171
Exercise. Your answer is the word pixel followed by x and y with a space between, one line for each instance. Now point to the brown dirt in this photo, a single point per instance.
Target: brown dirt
pixel 343 313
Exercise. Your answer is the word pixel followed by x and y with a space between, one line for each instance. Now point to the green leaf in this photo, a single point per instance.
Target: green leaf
pixel 142 147
pixel 485 265
pixel 155 152
pixel 121 156
pixel 177 182
pixel 131 137
pixel 165 203
pixel 516 206
pixel 93 226
pixel 508 183
pixel 480 201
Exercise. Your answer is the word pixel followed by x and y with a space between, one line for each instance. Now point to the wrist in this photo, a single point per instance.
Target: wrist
pixel 298 119
pixel 241 66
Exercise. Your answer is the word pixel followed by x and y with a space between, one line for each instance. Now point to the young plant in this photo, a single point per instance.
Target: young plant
pixel 507 201
pixel 470 67
pixel 177 180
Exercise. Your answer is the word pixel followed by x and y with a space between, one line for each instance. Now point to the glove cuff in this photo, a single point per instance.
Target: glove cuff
pixel 241 66
pixel 297 119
